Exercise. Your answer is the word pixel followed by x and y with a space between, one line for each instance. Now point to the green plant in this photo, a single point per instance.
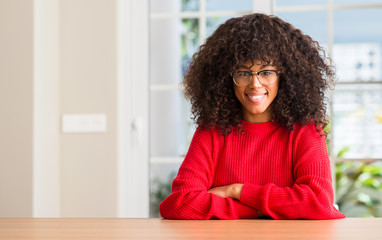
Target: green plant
pixel 359 184
pixel 160 190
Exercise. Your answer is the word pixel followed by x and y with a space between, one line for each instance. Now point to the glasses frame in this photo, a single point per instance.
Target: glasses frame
pixel 257 76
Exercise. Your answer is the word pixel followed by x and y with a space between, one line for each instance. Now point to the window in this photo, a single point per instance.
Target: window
pixel 348 32
pixel 354 43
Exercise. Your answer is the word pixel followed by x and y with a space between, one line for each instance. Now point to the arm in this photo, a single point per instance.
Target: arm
pixel 190 198
pixel 311 196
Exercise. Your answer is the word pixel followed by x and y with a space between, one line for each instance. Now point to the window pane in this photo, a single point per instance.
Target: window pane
pixel 173 6
pixel 357 118
pixel 190 5
pixel 352 2
pixel 173 42
pixel 229 5
pixel 358 25
pixel 161 176
pixel 300 2
pixel 214 22
pixel 313 23
pixel 165 47
pixel 190 40
pixel 171 129
pixel 357 51
pixel 358 61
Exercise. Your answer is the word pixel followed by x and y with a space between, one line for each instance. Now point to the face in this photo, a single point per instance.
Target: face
pixel 256 98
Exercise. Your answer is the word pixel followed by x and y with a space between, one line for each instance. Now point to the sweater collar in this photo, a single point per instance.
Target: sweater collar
pixel 249 127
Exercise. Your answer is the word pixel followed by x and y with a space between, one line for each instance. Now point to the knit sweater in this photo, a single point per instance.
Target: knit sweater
pixel 286 175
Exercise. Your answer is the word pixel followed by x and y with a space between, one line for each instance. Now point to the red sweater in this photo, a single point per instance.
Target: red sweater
pixel 286 175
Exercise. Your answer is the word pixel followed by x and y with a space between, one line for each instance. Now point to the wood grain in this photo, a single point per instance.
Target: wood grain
pixel 154 228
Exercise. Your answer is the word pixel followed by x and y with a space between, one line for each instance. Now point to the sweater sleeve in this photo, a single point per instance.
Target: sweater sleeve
pixel 311 196
pixel 189 198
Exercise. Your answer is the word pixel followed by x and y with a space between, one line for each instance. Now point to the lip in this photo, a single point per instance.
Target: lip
pixel 255 97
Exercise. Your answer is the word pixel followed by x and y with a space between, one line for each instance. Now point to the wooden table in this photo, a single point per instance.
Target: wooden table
pixel 154 228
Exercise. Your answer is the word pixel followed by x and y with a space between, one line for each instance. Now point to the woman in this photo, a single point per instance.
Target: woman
pixel 257 93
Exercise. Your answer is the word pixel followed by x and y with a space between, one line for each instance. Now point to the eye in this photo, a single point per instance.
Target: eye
pixel 266 73
pixel 243 74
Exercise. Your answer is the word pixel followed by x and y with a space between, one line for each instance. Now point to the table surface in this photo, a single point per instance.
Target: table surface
pixel 154 228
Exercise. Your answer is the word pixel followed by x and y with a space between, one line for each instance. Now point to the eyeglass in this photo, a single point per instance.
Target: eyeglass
pixel 265 77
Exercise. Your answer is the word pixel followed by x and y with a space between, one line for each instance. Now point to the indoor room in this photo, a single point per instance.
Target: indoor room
pixel 99 116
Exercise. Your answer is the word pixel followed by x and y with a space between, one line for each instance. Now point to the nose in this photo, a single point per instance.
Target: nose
pixel 255 83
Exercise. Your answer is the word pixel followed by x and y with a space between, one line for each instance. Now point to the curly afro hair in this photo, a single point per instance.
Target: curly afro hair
pixel 306 73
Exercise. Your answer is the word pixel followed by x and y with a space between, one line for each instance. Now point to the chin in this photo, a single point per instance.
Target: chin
pixel 255 112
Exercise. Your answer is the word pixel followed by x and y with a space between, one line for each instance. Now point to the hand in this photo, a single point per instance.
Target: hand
pixel 231 191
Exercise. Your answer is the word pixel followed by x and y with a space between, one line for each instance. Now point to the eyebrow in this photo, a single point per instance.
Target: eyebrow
pixel 262 66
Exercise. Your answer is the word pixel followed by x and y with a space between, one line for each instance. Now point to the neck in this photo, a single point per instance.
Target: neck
pixel 258 118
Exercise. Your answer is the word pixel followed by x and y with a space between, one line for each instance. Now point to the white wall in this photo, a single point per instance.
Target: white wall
pixel 64 57
pixel 88 74
pixel 16 108
pixel 46 110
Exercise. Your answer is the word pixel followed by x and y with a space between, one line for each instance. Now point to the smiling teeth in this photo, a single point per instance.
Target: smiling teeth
pixel 255 97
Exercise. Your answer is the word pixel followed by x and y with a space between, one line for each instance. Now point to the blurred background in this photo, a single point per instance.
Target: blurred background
pixel 94 120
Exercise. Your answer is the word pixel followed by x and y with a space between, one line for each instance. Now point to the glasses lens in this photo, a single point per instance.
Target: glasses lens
pixel 267 77
pixel 242 78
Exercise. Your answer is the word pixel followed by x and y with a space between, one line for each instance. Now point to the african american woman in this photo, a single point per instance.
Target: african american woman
pixel 257 89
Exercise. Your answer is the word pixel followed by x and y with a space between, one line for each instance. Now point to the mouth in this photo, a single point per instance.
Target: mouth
pixel 256 97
